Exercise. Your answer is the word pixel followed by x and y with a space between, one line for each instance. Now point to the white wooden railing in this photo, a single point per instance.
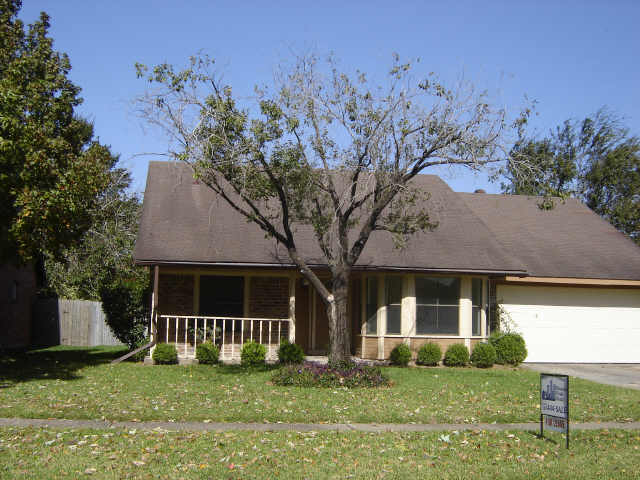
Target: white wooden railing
pixel 186 332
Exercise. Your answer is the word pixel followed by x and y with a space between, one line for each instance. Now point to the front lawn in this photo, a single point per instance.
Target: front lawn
pixel 80 383
pixel 37 453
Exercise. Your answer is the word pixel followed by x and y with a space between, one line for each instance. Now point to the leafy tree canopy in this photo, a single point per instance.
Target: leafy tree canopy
pixel 326 149
pixel 104 252
pixel 51 168
pixel 594 160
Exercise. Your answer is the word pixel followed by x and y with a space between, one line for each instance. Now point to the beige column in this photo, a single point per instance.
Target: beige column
pixel 381 316
pixel 408 316
pixel 465 326
pixel 363 313
pixel 292 308
pixel 153 326
pixel 485 305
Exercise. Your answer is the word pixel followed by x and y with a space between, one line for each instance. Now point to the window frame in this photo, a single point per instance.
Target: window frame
pixel 438 304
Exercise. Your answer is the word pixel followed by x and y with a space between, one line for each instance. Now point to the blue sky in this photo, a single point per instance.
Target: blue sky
pixel 571 56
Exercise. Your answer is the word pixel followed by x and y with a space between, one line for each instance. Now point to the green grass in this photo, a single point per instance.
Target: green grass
pixel 38 453
pixel 81 384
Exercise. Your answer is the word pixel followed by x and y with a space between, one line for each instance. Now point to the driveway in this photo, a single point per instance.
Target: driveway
pixel 620 375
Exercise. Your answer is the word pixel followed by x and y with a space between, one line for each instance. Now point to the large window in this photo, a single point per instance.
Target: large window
pixel 372 306
pixel 437 305
pixel 393 293
pixel 221 296
pixel 476 308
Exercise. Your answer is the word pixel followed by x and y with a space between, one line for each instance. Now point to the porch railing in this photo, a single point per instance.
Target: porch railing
pixel 228 333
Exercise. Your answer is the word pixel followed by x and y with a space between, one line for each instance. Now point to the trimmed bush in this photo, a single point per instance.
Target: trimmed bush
pixel 400 355
pixel 126 310
pixel 338 375
pixel 457 355
pixel 483 355
pixel 510 348
pixel 290 352
pixel 253 354
pixel 207 353
pixel 429 354
pixel 165 354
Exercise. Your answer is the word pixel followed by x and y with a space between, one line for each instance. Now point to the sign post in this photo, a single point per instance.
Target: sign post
pixel 554 403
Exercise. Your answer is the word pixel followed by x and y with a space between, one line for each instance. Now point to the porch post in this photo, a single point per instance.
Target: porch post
pixel 153 327
pixel 484 308
pixel 408 317
pixel 465 321
pixel 381 316
pixel 292 308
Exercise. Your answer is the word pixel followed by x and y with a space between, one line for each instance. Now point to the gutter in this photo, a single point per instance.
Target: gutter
pixel 512 273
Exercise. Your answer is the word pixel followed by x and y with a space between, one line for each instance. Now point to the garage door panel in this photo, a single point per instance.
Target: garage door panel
pixel 587 325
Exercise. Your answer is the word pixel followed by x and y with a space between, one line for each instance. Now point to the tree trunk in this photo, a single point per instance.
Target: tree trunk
pixel 339 325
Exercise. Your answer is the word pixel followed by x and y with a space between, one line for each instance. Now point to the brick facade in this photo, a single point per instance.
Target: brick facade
pixel 269 297
pixel 175 294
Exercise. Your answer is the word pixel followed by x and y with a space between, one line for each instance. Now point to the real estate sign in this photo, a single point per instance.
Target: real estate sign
pixel 554 403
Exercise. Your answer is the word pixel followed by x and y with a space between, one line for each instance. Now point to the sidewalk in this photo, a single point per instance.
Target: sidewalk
pixel 299 427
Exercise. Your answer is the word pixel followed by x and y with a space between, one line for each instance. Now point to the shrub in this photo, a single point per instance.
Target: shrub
pixel 457 355
pixel 400 355
pixel 429 354
pixel 252 354
pixel 139 357
pixel 483 355
pixel 510 348
pixel 207 353
pixel 165 353
pixel 126 310
pixel 290 352
pixel 342 374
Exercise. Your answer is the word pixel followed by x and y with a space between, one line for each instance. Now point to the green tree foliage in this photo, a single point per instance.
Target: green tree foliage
pixel 105 251
pixel 594 160
pixel 327 150
pixel 51 168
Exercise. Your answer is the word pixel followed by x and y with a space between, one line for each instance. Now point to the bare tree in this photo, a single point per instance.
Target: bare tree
pixel 326 150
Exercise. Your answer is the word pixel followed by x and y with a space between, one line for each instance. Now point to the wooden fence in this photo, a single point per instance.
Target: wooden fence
pixel 79 323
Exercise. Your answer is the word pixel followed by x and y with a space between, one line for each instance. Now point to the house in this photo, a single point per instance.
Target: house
pixel 565 278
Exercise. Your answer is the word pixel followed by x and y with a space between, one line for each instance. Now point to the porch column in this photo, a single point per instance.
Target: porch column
pixel 381 316
pixel 292 308
pixel 153 327
pixel 408 316
pixel 465 323
pixel 484 328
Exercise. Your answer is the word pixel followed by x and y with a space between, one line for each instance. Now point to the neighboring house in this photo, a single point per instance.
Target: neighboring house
pixel 566 278
pixel 17 295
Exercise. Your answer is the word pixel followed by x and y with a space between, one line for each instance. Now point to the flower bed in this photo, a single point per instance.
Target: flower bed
pixel 349 375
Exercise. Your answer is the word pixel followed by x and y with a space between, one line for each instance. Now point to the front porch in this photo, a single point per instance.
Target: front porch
pixel 229 306
pixel 227 333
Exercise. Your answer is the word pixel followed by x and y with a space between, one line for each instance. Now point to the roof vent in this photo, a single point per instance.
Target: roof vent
pixel 480 190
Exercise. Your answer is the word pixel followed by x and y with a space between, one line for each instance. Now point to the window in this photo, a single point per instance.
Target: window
pixel 221 296
pixel 437 305
pixel 476 306
pixel 372 306
pixel 393 293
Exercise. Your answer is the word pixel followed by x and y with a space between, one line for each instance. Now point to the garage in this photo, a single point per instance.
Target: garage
pixel 575 324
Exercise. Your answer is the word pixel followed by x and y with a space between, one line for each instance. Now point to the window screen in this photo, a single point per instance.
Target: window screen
pixel 393 289
pixel 437 305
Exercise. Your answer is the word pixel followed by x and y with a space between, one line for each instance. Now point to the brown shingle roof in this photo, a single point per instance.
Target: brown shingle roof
pixel 184 222
pixel 568 241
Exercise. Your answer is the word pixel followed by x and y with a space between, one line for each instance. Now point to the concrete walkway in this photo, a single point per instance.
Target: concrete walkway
pixel 617 374
pixel 298 427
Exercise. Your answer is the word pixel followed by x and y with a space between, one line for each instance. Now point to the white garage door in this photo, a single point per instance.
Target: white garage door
pixel 582 325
